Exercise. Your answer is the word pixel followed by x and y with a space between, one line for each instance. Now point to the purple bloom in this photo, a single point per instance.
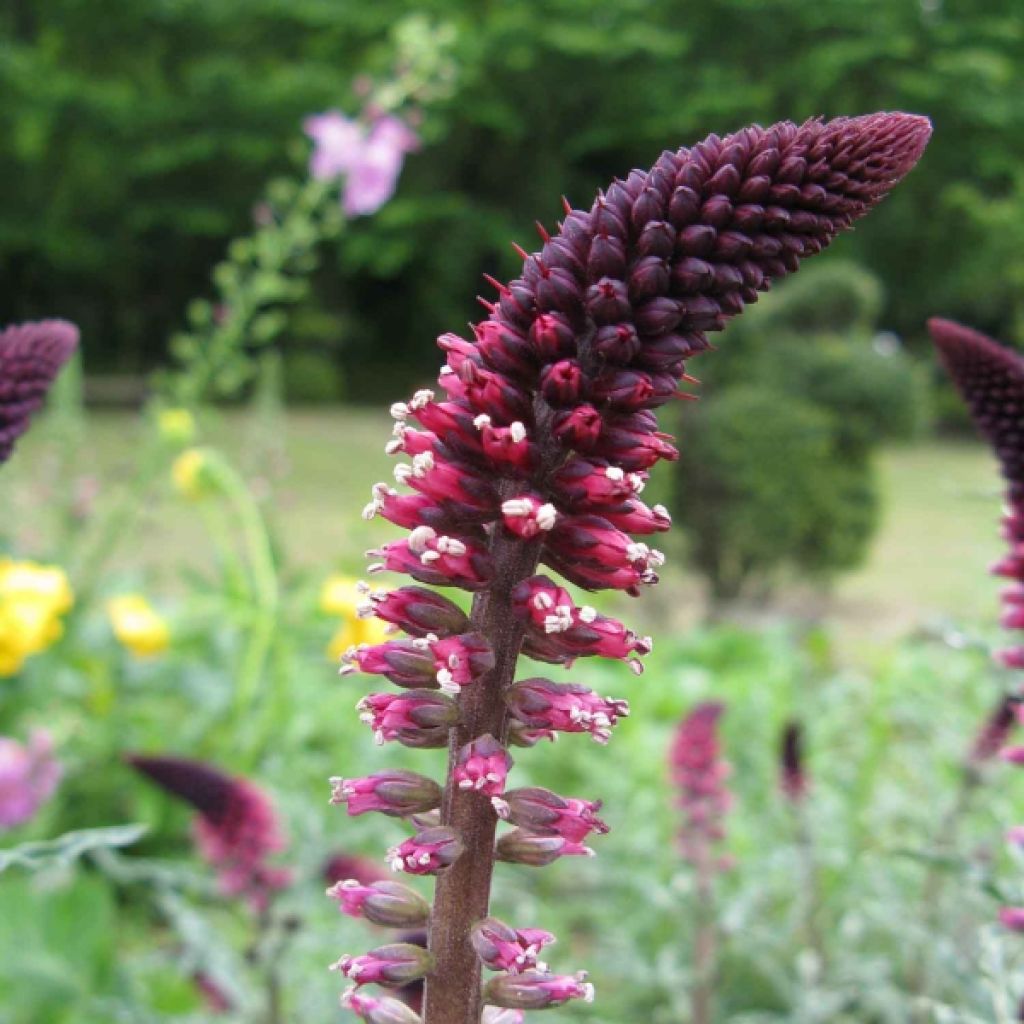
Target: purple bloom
pixel 792 771
pixel 31 355
pixel 369 156
pixel 29 774
pixel 236 830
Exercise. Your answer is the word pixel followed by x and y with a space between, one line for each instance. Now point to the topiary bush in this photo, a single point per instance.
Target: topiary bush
pixel 777 471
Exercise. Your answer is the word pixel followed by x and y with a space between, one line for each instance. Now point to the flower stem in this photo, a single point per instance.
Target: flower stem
pixel 704 947
pixel 463 891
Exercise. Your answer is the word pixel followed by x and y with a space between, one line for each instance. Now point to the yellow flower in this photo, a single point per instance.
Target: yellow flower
pixel 189 473
pixel 176 426
pixel 32 600
pixel 138 626
pixel 339 596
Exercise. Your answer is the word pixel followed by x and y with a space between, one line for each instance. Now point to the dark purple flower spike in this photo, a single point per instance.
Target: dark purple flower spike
pixel 534 451
pixel 236 830
pixel 31 356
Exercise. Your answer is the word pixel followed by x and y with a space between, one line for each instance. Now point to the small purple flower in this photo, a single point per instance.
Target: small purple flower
pixel 369 156
pixel 378 1009
pixel 31 356
pixel 564 707
pixel 29 774
pixel 536 851
pixel 416 718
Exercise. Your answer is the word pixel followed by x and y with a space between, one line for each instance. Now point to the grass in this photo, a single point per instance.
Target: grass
pixel 315 469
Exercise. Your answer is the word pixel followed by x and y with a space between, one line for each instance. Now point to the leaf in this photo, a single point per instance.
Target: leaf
pixel 66 849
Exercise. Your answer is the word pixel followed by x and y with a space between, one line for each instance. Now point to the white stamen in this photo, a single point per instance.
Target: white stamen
pixel 543 600
pixel 501 807
pixel 547 517
pixel 429 557
pixel 371 509
pixel 393 447
pixel 517 431
pixel 587 614
pixel 516 507
pixel 614 473
pixel 421 398
pixel 399 411
pixel 637 482
pixel 375 567
pixel 481 421
pixel 402 472
pixel 660 510
pixel 422 464
pixel 451 546
pixel 420 538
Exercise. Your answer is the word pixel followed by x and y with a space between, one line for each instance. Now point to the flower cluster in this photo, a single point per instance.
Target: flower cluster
pixel 31 356
pixel 236 829
pixel 342 598
pixel 33 600
pixel 990 378
pixel 369 155
pixel 138 626
pixel 699 774
pixel 29 774
pixel 792 771
pixel 533 451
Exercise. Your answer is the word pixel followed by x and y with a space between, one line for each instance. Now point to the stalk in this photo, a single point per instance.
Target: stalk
pixel 462 895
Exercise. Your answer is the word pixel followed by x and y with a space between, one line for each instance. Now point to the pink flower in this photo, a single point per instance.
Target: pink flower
pixel 386 903
pixel 483 766
pixel 699 774
pixel 545 813
pixel 396 965
pixel 31 356
pixel 397 793
pixel 416 718
pixel 1012 918
pixel 515 950
pixel 429 851
pixel 522 847
pixel 29 774
pixel 564 707
pixel 369 156
pixel 378 1009
pixel 534 990
pixel 236 830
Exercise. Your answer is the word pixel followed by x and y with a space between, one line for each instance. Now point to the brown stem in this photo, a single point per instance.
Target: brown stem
pixel 704 946
pixel 944 842
pixel 462 895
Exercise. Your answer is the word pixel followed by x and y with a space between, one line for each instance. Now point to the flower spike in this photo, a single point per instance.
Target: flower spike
pixel 534 449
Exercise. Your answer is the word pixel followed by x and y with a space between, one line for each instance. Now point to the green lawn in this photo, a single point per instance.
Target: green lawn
pixel 939 529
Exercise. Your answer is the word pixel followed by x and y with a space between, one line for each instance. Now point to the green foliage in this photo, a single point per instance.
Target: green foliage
pixel 132 156
pixel 776 469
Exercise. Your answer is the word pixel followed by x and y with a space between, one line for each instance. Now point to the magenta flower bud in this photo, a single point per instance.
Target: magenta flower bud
pixel 578 428
pixel 552 337
pixel 1010 657
pixel 436 559
pixel 490 393
pixel 406 510
pixel 408 663
pixel 505 350
pixel 534 990
pixel 520 735
pixel 417 718
pixel 561 382
pixel 521 847
pixel 397 793
pixel 1012 755
pixel 483 766
pixel 448 484
pixel 460 660
pixel 528 516
pixel 589 551
pixel 394 965
pixel 564 707
pixel 1012 918
pixel 618 343
pixel 379 1009
pixel 502 948
pixel 429 851
pixel 409 441
pixel 585 485
pixel 634 516
pixel 541 811
pixel 561 631
pixel 449 420
pixel 634 447
pixel 995 731
pixel 508 448
pixel 389 904
pixel 31 356
pixel 415 610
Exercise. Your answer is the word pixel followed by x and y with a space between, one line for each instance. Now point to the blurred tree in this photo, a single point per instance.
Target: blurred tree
pixel 138 133
pixel 775 473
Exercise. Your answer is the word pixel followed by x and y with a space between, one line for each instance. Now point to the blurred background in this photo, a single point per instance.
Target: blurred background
pixel 243 308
